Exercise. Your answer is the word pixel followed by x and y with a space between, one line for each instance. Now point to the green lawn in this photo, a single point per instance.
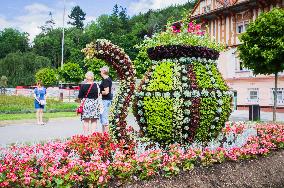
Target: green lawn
pixel 32 115
pixel 21 104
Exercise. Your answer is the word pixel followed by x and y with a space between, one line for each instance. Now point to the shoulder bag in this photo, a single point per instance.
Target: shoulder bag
pixel 80 108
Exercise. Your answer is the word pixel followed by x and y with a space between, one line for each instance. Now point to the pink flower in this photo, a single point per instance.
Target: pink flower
pixel 101 179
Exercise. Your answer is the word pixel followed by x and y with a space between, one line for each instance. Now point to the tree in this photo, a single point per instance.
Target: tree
pixel 20 68
pixel 48 76
pixel 49 24
pixel 71 72
pixel 49 45
pixel 3 84
pixel 95 64
pixel 75 40
pixel 78 15
pixel 263 46
pixel 12 40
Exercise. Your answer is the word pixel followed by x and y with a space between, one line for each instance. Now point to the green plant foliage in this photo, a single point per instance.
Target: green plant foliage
pixel 21 104
pixel 221 84
pixel 78 16
pixel 263 43
pixel 48 76
pixel 208 76
pixel 12 40
pixel 159 114
pixel 226 110
pixel 71 72
pixel 202 76
pixel 208 112
pixel 142 63
pixel 95 64
pixel 162 77
pixel 20 68
pixel 3 81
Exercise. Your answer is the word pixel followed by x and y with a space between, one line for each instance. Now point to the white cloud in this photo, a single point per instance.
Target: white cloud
pixel 37 8
pixel 4 23
pixel 144 5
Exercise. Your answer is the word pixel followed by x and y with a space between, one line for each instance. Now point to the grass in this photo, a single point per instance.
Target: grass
pixel 21 104
pixel 32 116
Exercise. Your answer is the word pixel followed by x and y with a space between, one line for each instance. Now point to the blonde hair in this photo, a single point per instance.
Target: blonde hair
pixel 89 75
pixel 105 70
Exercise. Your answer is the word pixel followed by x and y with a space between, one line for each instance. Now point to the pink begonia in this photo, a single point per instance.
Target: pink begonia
pixel 49 157
pixel 101 179
pixel 27 180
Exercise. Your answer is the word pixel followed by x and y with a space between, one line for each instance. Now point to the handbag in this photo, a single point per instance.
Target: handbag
pixel 80 108
pixel 100 102
pixel 42 102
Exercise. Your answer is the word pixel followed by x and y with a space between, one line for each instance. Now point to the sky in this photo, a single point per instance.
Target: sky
pixel 29 15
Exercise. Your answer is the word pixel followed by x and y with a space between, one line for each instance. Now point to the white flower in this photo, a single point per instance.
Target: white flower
pixel 219 110
pixel 185 136
pixel 187 112
pixel 187 93
pixel 158 94
pixel 176 94
pixel 184 78
pixel 187 103
pixel 167 94
pixel 186 120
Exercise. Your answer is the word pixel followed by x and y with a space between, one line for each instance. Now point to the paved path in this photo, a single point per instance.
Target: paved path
pixel 26 132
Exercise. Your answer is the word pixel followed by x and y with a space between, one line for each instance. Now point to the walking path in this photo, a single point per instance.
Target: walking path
pixel 60 128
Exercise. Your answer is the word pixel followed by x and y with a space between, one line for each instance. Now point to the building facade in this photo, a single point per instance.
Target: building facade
pixel 224 21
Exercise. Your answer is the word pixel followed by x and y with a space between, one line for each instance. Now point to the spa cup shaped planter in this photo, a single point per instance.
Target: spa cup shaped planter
pixel 183 97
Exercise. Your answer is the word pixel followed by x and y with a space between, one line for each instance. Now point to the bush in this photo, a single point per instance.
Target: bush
pixel 71 72
pixel 48 76
pixel 20 68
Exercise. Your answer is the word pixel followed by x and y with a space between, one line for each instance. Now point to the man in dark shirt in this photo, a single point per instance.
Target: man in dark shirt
pixel 105 88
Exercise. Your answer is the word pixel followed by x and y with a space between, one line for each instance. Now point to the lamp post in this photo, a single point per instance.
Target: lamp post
pixel 62 50
pixel 62 43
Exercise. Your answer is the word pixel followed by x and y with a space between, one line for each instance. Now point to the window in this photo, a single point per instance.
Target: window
pixel 242 26
pixel 202 5
pixel 239 65
pixel 253 95
pixel 206 9
pixel 242 67
pixel 280 95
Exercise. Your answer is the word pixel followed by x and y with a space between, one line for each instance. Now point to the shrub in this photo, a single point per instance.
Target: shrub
pixel 71 72
pixel 48 76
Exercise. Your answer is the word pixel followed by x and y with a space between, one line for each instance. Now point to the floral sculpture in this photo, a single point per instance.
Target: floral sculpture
pixel 117 58
pixel 183 97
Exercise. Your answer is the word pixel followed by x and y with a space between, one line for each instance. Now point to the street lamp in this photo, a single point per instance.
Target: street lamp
pixel 62 43
pixel 62 50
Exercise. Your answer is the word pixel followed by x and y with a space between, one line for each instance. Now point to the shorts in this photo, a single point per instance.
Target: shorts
pixel 104 115
pixel 38 106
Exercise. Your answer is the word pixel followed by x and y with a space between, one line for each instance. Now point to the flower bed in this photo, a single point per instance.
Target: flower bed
pixel 98 161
